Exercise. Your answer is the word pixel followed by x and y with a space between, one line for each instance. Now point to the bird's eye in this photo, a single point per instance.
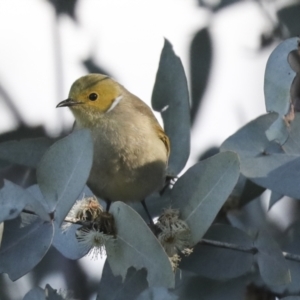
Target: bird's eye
pixel 93 96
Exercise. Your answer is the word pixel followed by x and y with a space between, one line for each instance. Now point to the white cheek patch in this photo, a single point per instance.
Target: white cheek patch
pixel 115 103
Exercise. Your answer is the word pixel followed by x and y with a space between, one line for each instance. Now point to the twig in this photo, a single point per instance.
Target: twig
pixel 251 250
pixel 291 256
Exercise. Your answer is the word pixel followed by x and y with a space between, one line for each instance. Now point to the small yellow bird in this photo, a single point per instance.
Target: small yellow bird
pixel 131 149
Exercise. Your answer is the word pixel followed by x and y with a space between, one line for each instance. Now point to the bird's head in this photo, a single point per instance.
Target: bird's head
pixel 93 94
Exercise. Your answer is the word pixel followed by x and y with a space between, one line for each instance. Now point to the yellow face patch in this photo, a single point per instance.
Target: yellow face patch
pixel 95 91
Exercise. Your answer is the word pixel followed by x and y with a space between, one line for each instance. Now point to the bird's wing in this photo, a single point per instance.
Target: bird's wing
pixel 164 138
pixel 144 109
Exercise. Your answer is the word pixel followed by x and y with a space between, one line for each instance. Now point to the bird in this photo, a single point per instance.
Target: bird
pixel 131 149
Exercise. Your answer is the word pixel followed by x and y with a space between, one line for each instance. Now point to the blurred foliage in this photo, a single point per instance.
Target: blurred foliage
pixel 227 247
pixel 67 7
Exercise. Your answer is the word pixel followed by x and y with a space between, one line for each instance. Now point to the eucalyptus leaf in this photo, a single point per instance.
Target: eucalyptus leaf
pixel 1 232
pixel 33 241
pixel 13 199
pixel 291 244
pixel 278 80
pixel 278 131
pixel 220 263
pixel 66 243
pixel 197 287
pixel 155 204
pixel 171 97
pixel 36 293
pixel 289 16
pixel 52 294
pixel 201 192
pixel 157 293
pixel 263 162
pixel 64 170
pixel 275 197
pixel 271 262
pixel 136 246
pixel 112 288
pixel 27 152
pixel 200 64
pixel 292 145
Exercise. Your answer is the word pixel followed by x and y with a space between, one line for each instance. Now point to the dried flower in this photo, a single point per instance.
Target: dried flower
pixel 86 209
pixel 175 234
pixel 98 226
pixel 93 241
pixel 175 260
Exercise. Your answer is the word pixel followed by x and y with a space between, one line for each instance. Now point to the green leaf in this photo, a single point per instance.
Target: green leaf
pixel 52 294
pixel 155 204
pixel 200 64
pixel 112 288
pixel 137 247
pixel 264 162
pixel 13 199
pixel 36 293
pixel 201 192
pixel 292 145
pixel 271 262
pixel 1 232
pixel 275 197
pixel 196 287
pixel 64 170
pixel 66 243
pixel 289 16
pixel 171 97
pixel 157 293
pixel 291 244
pixel 278 80
pixel 27 152
pixel 219 263
pixel 33 241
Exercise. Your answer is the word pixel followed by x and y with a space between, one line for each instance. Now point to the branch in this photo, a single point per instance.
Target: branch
pixel 251 250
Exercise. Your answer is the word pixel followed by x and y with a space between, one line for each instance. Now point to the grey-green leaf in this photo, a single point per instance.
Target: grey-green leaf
pixel 33 241
pixel 271 262
pixel 136 246
pixel 13 199
pixel 27 152
pixel 1 232
pixel 112 288
pixel 200 65
pixel 52 294
pixel 171 97
pixel 265 162
pixel 220 263
pixel 275 197
pixel 278 80
pixel 292 145
pixel 66 243
pixel 36 293
pixel 64 170
pixel 201 192
pixel 157 293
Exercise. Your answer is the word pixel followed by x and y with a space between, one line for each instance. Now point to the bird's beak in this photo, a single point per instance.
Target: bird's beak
pixel 68 102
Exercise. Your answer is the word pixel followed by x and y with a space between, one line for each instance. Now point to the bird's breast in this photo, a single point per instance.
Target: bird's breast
pixel 129 161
